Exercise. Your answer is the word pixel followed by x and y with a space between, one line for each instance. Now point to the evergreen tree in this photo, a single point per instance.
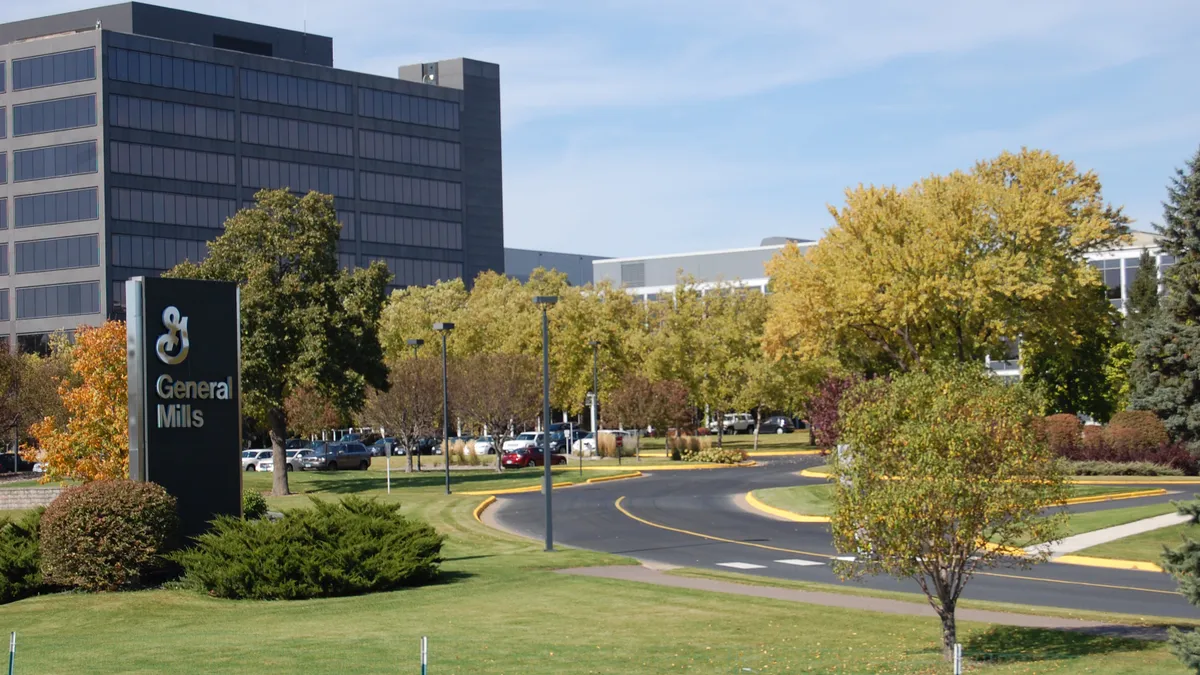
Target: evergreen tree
pixel 1166 364
pixel 1182 563
pixel 1143 298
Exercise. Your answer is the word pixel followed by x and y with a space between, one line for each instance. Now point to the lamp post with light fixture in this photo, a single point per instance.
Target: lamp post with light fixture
pixel 444 328
pixel 415 343
pixel 545 302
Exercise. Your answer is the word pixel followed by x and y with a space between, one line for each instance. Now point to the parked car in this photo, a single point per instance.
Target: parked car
pixel 7 460
pixel 587 444
pixel 530 440
pixel 333 456
pixel 295 458
pixel 485 445
pixel 381 447
pixel 524 457
pixel 734 423
pixel 297 444
pixel 252 458
pixel 776 425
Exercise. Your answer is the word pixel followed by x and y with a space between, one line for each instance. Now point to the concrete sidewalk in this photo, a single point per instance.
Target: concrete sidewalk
pixel 1097 537
pixel 652 576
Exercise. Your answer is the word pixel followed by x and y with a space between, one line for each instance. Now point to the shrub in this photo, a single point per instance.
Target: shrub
pixel 348 548
pixel 472 455
pixel 1064 432
pixel 1096 447
pixel 107 535
pixel 606 445
pixel 254 505
pixel 700 449
pixel 1136 429
pixel 823 409
pixel 457 454
pixel 20 576
pixel 1098 468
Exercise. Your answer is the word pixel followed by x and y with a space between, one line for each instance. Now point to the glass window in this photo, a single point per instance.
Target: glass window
pixel 266 173
pixel 407 108
pixel 296 134
pixel 257 85
pixel 160 162
pixel 404 231
pixel 168 71
pixel 63 113
pixel 414 272
pixel 49 208
pixel 42 71
pixel 3 259
pixel 42 255
pixel 408 190
pixel 408 149
pixel 58 300
pixel 171 118
pixel 54 161
pixel 3 168
pixel 2 71
pixel 3 117
pixel 3 213
pixel 155 253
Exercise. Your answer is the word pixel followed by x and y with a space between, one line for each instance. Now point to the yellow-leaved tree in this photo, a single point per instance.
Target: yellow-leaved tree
pixel 949 269
pixel 93 444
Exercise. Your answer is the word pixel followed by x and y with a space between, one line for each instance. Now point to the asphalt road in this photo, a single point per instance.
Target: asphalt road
pixel 693 519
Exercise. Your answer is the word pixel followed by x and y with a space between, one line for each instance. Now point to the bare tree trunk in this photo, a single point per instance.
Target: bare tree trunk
pixel 498 445
pixel 720 428
pixel 949 631
pixel 757 424
pixel 277 419
pixel 408 451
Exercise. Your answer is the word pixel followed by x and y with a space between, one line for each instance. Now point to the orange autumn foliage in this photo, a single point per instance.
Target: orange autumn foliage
pixel 94 445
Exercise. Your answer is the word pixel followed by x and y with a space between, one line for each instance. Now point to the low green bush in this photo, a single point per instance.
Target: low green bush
pixel 351 547
pixel 701 449
pixel 20 576
pixel 107 535
pixel 254 505
pixel 1101 468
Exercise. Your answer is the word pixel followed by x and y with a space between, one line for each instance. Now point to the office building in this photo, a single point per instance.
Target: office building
pixel 520 263
pixel 129 133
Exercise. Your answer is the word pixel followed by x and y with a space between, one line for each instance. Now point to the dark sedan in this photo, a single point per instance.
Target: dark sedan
pixel 519 459
pixel 776 425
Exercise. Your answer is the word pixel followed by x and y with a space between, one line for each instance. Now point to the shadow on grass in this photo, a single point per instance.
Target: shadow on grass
pixel 1013 643
pixel 350 482
pixel 447 577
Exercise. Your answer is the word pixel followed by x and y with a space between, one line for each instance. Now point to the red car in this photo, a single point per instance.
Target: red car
pixel 519 459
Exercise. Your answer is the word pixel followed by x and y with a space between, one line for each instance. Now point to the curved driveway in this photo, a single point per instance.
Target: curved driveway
pixel 692 519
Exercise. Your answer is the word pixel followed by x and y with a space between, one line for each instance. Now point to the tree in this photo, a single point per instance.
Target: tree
pixel 781 385
pixel 948 269
pixel 1183 563
pixel 497 391
pixel 824 406
pixel 1142 306
pixel 309 412
pixel 940 463
pixel 1166 361
pixel 304 321
pixel 598 313
pixel 411 312
pixel 1077 376
pixel 94 442
pixel 408 410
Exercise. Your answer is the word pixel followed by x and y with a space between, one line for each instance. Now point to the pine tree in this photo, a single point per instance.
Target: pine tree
pixel 1167 359
pixel 1143 298
pixel 1182 563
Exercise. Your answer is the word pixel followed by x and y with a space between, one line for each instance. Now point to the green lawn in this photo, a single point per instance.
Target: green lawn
pixel 372 482
pixel 1098 520
pixel 1146 546
pixel 814 500
pixel 500 611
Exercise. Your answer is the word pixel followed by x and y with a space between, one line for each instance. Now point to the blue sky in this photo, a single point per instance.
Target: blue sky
pixel 663 126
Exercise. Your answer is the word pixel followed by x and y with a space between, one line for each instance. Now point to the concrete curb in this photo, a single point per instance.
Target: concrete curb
pixel 1116 496
pixel 755 503
pixel 624 476
pixel 1110 563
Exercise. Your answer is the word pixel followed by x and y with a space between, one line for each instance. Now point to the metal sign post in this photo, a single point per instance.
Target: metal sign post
pixel 12 652
pixel 424 655
pixel 387 447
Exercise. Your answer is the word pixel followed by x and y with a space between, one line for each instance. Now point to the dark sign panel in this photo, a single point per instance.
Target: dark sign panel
pixel 184 394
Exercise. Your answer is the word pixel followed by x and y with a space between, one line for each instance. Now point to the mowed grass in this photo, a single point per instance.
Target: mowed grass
pixel 816 500
pixel 372 482
pixel 501 610
pixel 1098 520
pixel 1146 546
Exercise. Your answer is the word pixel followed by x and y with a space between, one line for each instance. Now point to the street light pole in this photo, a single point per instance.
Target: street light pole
pixel 415 343
pixel 546 302
pixel 595 388
pixel 444 328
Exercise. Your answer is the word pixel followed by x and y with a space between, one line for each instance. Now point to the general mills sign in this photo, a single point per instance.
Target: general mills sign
pixel 185 421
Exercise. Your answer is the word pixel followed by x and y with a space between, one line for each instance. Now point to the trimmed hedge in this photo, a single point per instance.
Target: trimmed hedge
pixel 20 575
pixel 1095 448
pixel 1095 468
pixel 1135 431
pixel 107 535
pixel 1063 432
pixel 352 547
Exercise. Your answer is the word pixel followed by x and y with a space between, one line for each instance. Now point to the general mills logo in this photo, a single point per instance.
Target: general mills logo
pixel 172 346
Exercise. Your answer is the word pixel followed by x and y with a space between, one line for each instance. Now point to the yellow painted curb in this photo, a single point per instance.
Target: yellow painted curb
pixel 782 453
pixel 1165 480
pixel 809 473
pixel 478 512
pixel 515 491
pixel 756 503
pixel 1110 563
pixel 1116 496
pixel 603 479
pixel 1004 550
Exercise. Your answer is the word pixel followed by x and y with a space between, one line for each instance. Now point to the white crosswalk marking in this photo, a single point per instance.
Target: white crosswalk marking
pixel 846 558
pixel 799 563
pixel 742 566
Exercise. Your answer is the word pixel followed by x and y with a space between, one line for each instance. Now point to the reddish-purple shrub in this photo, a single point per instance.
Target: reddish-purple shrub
pixel 1136 429
pixel 823 409
pixel 1063 432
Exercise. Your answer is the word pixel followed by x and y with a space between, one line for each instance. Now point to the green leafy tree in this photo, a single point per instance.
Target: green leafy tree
pixel 1076 373
pixel 605 315
pixel 411 312
pixel 1166 362
pixel 783 385
pixel 303 319
pixel 408 410
pixel 941 462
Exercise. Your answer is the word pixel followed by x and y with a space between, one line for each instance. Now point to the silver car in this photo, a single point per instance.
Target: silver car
pixel 251 459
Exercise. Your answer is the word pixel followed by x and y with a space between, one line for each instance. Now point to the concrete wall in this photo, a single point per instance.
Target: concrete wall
pixel 664 271
pixel 27 498
pixel 519 263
